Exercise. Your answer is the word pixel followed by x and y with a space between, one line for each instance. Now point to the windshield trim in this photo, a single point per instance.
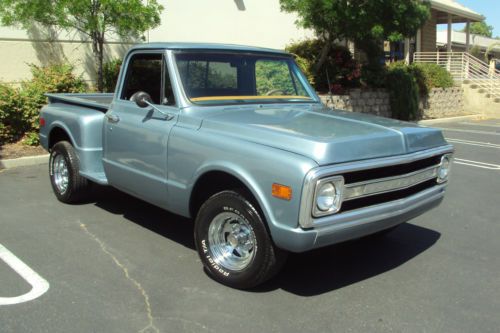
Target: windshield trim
pixel 251 97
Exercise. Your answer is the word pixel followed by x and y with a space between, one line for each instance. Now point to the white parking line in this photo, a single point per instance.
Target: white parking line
pixel 474 143
pixel 477 164
pixel 39 284
pixel 467 131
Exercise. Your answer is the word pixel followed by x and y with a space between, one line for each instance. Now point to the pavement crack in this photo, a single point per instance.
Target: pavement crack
pixel 150 327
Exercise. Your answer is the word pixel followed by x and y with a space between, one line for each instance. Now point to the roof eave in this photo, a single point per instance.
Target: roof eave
pixel 473 17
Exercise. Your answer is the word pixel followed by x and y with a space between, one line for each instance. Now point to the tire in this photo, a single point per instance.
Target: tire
pixel 64 171
pixel 233 242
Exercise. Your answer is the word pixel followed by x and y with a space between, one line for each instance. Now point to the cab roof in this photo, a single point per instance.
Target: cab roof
pixel 204 46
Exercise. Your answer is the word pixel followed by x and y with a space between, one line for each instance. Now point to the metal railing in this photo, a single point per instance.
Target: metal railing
pixel 465 67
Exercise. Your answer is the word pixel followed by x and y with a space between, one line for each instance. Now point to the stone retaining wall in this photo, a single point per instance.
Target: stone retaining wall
pixel 375 101
pixel 441 102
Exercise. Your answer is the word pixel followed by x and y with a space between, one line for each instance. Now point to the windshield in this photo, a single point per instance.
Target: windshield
pixel 212 78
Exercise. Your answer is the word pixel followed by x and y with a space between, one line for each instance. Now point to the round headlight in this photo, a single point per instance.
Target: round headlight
pixel 325 199
pixel 444 168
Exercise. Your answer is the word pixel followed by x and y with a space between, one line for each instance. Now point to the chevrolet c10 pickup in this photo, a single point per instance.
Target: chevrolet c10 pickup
pixel 235 138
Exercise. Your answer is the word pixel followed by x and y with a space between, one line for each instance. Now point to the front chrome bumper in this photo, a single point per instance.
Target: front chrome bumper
pixel 341 227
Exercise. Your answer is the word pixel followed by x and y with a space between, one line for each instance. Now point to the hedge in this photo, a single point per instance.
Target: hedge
pixel 20 106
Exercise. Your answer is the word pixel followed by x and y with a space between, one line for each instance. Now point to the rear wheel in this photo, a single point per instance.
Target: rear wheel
pixel 233 242
pixel 64 171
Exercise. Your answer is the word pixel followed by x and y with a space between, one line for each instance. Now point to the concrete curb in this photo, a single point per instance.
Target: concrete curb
pixel 450 119
pixel 24 161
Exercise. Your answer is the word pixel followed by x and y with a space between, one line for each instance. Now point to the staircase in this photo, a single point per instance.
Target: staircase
pixel 481 83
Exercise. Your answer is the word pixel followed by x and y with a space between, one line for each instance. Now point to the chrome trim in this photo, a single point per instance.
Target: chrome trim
pixel 306 219
pixel 330 224
pixel 450 162
pixel 389 184
pixel 338 182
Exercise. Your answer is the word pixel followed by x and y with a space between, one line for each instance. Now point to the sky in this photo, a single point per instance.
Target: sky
pixel 488 8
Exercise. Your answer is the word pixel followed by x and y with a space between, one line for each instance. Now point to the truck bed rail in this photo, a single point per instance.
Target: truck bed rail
pixel 99 102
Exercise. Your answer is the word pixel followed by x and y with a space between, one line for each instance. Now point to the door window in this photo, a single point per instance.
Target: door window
pixel 144 73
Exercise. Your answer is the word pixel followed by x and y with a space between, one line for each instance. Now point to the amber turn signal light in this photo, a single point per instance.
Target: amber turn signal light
pixel 282 192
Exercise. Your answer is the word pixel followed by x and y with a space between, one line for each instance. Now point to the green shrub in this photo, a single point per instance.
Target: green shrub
pixel 373 76
pixel 11 120
pixel 20 107
pixel 50 79
pixel 403 92
pixel 31 139
pixel 420 78
pixel 433 75
pixel 110 72
pixel 343 70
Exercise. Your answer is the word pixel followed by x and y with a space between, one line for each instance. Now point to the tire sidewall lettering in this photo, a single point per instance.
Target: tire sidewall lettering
pixel 210 260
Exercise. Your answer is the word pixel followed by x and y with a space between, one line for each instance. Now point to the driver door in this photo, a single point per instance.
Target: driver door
pixel 136 139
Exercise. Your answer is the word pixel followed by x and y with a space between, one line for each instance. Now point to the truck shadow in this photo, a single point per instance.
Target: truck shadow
pixel 174 227
pixel 306 274
pixel 341 265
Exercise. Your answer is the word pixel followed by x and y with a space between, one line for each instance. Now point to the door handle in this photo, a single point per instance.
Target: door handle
pixel 112 118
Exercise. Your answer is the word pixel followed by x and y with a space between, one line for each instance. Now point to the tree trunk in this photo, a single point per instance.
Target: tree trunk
pixel 98 50
pixel 100 79
pixel 323 56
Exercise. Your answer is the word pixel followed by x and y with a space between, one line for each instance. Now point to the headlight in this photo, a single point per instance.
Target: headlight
pixel 328 196
pixel 444 168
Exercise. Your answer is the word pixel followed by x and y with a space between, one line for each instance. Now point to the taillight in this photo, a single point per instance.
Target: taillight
pixel 42 122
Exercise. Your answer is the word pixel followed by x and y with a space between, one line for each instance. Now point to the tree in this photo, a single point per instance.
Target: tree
pixel 480 28
pixel 95 20
pixel 367 23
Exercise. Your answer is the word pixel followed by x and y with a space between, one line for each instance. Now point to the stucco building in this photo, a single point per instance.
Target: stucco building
pixel 251 22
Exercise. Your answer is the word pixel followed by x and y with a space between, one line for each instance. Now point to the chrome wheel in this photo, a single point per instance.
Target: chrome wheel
pixel 60 172
pixel 231 241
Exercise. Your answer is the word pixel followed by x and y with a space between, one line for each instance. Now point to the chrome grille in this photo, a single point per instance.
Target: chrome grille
pixel 397 181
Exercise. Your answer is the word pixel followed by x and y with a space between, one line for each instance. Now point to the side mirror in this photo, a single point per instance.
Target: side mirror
pixel 142 99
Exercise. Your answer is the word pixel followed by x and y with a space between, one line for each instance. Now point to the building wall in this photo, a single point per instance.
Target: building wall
pixel 248 22
pixel 17 54
pixel 428 33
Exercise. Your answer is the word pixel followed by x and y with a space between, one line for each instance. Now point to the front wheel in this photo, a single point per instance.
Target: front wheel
pixel 64 171
pixel 233 242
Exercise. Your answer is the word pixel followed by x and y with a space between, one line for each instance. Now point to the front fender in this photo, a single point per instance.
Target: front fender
pixel 194 153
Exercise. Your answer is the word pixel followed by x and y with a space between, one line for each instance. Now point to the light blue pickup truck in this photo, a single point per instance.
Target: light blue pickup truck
pixel 235 138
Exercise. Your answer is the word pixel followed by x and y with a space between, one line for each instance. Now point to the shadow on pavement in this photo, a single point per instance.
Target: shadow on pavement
pixel 337 266
pixel 306 274
pixel 177 228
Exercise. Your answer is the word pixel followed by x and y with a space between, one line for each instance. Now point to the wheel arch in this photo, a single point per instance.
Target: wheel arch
pixel 59 133
pixel 213 181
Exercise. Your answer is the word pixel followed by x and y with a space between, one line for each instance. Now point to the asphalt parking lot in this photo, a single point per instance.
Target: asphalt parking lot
pixel 121 265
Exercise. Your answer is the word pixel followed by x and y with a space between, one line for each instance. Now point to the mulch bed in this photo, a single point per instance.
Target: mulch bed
pixel 16 150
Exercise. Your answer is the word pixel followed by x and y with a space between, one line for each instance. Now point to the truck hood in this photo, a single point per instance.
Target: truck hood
pixel 321 134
